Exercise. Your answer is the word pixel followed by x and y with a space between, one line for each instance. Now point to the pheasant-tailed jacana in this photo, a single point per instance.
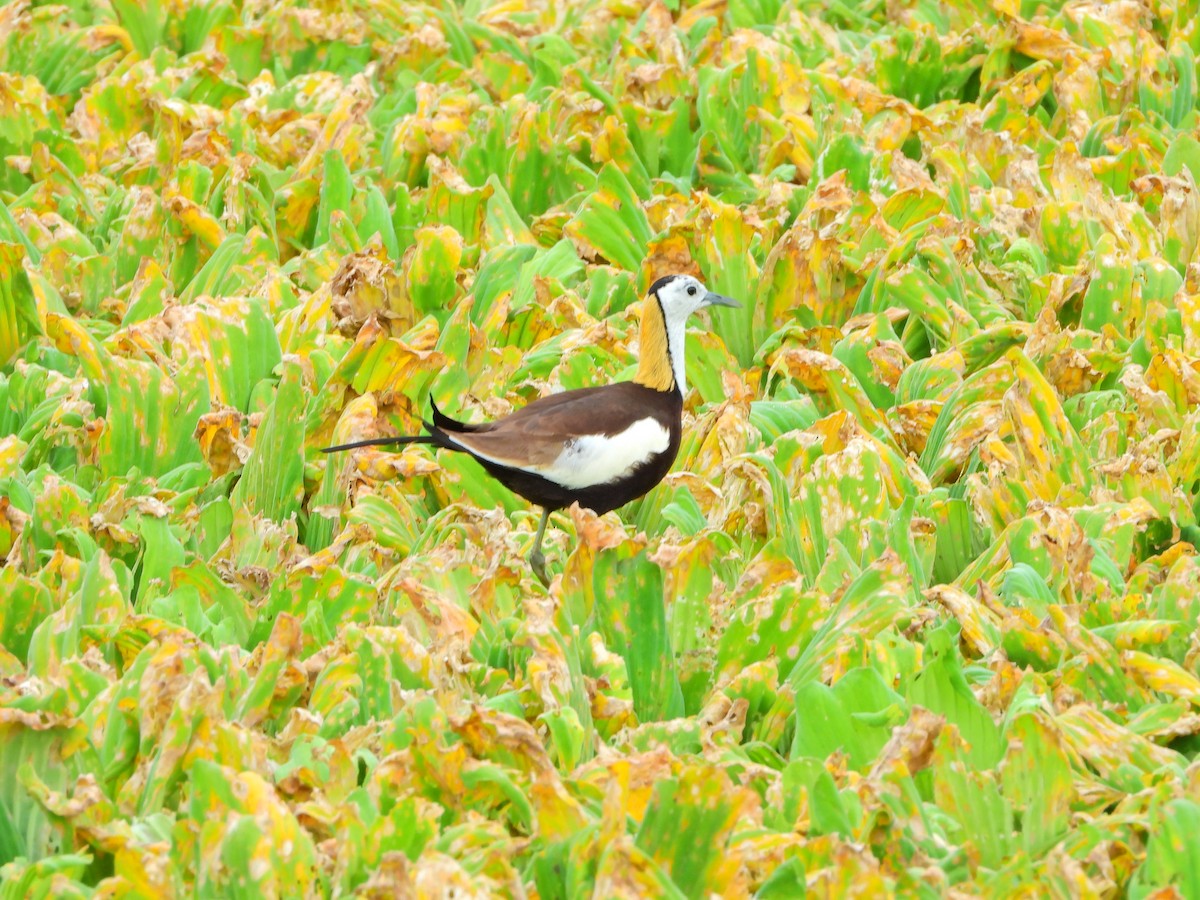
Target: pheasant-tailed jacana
pixel 598 446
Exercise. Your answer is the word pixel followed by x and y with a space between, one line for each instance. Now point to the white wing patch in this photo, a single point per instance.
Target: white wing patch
pixel 594 459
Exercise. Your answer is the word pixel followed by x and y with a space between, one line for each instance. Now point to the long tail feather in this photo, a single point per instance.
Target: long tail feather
pixel 380 442
pixel 444 422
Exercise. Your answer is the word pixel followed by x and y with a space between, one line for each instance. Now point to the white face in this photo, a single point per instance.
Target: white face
pixel 683 295
pixel 681 298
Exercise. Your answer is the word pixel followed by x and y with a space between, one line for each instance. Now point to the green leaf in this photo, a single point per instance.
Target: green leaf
pixel 1172 857
pixel 611 221
pixel 685 828
pixel 18 314
pixel 856 715
pixel 627 593
pixel 272 482
pixel 941 687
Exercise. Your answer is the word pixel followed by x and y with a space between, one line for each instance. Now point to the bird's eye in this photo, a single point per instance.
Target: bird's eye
pixel 692 291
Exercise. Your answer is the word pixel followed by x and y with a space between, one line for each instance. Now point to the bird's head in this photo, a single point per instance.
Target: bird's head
pixel 681 295
pixel 661 365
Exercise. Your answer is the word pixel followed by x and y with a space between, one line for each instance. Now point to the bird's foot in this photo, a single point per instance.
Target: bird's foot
pixel 537 562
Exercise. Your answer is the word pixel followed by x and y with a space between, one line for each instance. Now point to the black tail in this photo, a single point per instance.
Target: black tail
pixel 380 442
pixel 441 423
pixel 444 422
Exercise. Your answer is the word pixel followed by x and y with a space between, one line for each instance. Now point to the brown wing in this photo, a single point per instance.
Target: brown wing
pixel 535 435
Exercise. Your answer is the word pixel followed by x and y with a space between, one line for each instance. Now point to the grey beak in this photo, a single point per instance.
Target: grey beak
pixel 711 299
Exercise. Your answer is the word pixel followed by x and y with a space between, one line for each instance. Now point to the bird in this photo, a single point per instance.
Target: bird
pixel 600 447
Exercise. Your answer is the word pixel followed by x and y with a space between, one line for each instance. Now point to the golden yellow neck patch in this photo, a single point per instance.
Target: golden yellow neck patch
pixel 654 359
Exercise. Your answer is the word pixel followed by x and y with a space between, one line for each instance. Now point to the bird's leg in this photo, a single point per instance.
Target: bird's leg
pixel 537 559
